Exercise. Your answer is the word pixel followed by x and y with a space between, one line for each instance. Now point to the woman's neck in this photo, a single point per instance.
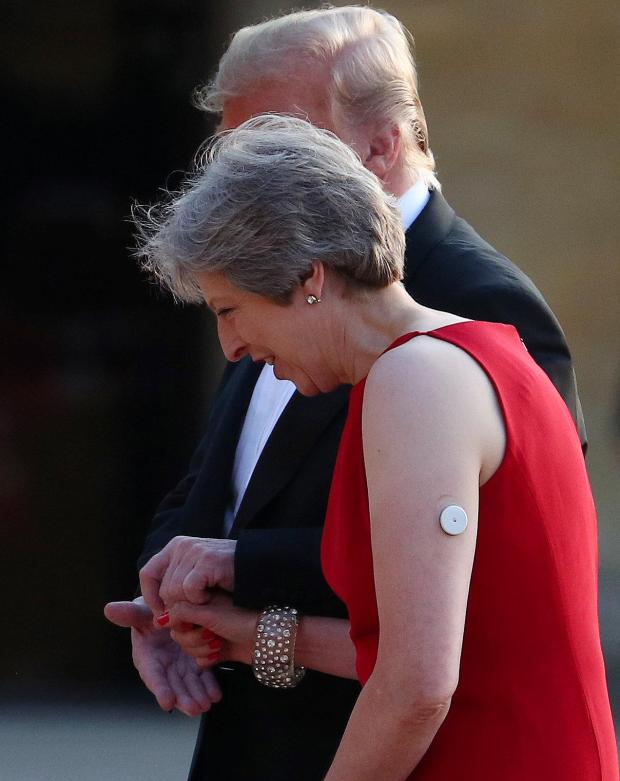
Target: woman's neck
pixel 368 323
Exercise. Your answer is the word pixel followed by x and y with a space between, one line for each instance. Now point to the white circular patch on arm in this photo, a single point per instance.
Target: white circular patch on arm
pixel 453 519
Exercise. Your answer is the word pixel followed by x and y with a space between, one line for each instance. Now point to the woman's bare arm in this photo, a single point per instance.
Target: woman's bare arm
pixel 424 450
pixel 322 643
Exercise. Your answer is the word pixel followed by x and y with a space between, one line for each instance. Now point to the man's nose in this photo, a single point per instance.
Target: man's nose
pixel 233 347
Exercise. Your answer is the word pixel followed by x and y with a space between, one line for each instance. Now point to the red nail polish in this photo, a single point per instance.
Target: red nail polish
pixel 213 656
pixel 208 635
pixel 216 645
pixel 163 619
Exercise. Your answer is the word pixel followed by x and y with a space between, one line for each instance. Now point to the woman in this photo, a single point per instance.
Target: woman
pixel 460 519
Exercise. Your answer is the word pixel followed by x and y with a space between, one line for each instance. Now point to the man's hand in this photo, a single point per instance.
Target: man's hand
pixel 185 569
pixel 166 670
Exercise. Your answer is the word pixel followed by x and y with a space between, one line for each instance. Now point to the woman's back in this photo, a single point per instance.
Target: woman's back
pixel 531 701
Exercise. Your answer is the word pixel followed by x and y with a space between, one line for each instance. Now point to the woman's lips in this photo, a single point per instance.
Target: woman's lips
pixel 277 374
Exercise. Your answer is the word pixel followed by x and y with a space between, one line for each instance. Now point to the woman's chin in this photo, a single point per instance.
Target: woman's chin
pixel 308 388
pixel 308 391
pixel 304 385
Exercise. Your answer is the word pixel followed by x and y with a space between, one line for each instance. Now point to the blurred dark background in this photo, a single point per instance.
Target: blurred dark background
pixel 105 384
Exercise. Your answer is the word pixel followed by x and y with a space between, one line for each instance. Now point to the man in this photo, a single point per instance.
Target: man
pixel 252 506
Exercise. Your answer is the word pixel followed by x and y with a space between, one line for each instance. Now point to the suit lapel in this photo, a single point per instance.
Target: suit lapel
pixel 431 227
pixel 227 419
pixel 299 427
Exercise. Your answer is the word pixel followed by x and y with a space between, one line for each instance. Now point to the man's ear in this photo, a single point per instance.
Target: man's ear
pixel 313 283
pixel 384 147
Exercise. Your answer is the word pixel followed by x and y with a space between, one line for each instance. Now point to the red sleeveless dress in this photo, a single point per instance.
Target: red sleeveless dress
pixel 531 703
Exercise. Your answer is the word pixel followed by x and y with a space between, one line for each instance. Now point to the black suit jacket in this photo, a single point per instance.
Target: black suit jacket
pixel 266 735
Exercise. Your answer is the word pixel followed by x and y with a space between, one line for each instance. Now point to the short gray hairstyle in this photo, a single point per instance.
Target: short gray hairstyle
pixel 266 200
pixel 368 54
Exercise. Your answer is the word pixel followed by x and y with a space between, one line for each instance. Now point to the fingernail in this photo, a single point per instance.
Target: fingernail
pixel 215 644
pixel 213 656
pixel 208 635
pixel 163 619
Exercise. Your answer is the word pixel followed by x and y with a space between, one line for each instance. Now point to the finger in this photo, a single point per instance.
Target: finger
pixel 159 687
pixel 197 638
pixel 150 579
pixel 198 646
pixel 184 701
pixel 207 661
pixel 162 620
pixel 203 615
pixel 219 598
pixel 210 683
pixel 211 652
pixel 195 588
pixel 171 586
pixel 197 690
pixel 129 614
pixel 154 678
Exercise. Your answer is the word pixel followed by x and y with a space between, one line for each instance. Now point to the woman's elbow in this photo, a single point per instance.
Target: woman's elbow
pixel 428 703
pixel 429 710
pixel 421 702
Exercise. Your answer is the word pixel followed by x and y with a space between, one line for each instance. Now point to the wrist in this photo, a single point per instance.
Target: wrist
pixel 273 659
pixel 242 651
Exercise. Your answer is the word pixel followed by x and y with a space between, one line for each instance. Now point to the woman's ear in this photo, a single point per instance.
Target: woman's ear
pixel 313 284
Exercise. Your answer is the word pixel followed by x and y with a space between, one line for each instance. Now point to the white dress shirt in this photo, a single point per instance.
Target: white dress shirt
pixel 271 395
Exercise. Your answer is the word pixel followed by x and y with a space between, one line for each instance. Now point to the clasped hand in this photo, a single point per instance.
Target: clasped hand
pixel 172 655
pixel 185 571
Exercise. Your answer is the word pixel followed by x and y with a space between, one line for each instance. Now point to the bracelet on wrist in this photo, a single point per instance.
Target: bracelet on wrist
pixel 273 661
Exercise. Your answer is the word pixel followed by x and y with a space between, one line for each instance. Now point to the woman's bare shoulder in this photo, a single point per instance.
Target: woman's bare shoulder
pixel 429 390
pixel 422 363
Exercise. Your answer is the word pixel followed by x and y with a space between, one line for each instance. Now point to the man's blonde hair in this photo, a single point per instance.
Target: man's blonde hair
pixel 368 54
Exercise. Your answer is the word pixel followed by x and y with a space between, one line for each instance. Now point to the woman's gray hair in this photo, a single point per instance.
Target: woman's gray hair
pixel 368 54
pixel 266 200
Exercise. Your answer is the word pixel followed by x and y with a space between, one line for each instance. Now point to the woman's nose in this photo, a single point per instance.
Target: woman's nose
pixel 233 347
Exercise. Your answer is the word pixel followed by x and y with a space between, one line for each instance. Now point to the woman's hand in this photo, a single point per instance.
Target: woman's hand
pixel 221 632
pixel 174 677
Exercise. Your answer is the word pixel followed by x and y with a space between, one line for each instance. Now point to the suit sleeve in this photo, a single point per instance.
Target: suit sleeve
pixel 283 567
